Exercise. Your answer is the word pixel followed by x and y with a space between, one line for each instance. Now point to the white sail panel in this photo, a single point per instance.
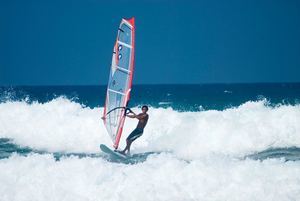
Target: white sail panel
pixel 120 81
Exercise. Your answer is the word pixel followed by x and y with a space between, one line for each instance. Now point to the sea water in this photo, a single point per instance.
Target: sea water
pixel 205 142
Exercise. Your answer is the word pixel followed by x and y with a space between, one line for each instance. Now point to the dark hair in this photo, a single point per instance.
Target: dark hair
pixel 145 106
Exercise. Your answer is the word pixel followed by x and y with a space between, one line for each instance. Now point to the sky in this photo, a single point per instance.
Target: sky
pixel 70 42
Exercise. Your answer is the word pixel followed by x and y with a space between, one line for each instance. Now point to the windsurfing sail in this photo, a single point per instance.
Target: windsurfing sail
pixel 120 81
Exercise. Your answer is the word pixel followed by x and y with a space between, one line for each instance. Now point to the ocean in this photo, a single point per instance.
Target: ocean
pixel 203 142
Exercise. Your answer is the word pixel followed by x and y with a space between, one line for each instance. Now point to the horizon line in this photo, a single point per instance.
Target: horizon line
pixel 153 84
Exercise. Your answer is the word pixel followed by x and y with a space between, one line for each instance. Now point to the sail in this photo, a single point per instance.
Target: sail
pixel 120 81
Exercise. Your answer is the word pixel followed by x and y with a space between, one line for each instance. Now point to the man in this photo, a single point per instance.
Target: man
pixel 138 132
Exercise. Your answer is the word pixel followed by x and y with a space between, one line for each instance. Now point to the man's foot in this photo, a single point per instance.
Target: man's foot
pixel 124 153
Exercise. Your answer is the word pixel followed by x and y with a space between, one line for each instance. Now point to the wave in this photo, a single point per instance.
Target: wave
pixel 45 136
pixel 161 177
pixel 62 125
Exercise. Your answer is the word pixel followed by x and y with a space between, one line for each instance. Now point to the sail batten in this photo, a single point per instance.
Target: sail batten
pixel 120 80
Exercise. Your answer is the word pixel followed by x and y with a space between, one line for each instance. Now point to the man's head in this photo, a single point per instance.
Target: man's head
pixel 145 108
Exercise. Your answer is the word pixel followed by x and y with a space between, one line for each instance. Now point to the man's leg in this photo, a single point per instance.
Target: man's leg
pixel 133 136
pixel 129 141
pixel 128 144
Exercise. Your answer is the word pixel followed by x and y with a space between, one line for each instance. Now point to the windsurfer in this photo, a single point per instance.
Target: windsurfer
pixel 138 131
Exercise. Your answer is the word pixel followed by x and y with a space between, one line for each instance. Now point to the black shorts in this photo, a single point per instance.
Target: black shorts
pixel 135 134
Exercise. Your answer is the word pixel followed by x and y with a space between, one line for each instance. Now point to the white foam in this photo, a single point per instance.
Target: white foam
pixel 251 127
pixel 63 125
pixel 202 164
pixel 59 125
pixel 161 177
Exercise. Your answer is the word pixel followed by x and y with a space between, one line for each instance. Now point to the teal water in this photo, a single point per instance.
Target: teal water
pixel 179 97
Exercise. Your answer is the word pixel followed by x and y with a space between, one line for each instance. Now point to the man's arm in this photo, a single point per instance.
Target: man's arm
pixel 131 115
pixel 140 116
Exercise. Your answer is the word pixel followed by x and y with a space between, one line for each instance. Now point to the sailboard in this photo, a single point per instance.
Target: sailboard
pixel 113 154
pixel 120 81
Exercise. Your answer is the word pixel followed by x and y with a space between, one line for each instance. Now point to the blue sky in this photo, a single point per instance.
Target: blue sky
pixel 59 42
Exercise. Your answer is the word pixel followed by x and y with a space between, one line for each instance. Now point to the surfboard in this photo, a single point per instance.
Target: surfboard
pixel 120 81
pixel 112 153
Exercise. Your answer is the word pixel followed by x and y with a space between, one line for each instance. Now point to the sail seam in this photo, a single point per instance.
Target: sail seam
pixel 111 90
pixel 125 44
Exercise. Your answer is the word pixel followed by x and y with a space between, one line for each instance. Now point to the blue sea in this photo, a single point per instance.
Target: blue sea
pixel 202 142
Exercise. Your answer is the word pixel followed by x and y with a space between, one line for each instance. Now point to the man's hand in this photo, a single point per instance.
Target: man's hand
pixel 128 111
pixel 131 115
